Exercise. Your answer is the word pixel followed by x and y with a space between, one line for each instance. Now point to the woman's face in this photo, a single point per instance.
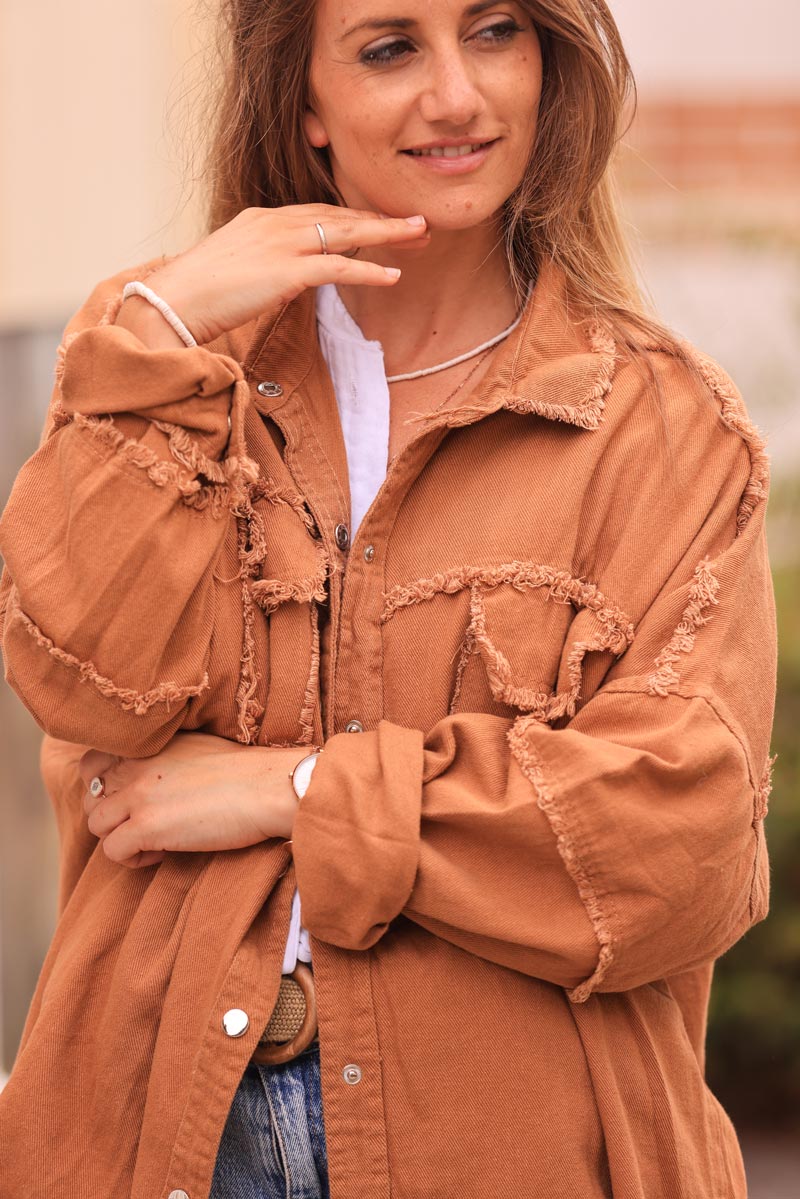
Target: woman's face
pixel 391 75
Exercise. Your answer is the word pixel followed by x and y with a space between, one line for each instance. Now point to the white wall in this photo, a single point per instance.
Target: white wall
pixel 707 45
pixel 88 173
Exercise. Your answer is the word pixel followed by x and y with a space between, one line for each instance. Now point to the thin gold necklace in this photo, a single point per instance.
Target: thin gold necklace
pixel 466 379
pixel 442 403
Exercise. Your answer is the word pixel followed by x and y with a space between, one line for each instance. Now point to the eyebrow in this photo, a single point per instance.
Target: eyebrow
pixel 406 22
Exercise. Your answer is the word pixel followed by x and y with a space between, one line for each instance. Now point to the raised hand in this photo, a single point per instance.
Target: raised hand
pixel 265 257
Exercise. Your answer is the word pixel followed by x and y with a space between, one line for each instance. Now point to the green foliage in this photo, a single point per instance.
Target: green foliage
pixel 754 1019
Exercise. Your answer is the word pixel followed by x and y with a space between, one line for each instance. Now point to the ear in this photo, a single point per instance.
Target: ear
pixel 314 129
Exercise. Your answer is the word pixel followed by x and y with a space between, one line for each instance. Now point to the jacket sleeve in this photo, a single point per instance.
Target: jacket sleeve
pixel 615 850
pixel 112 531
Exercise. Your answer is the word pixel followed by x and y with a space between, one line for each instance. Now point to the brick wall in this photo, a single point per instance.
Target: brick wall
pixel 746 144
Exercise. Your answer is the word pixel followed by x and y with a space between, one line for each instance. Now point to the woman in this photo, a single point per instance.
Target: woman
pixel 491 516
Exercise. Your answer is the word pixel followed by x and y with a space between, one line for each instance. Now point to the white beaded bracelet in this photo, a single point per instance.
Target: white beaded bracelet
pixel 139 289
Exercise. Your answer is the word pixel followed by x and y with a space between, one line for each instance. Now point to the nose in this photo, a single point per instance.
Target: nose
pixel 451 92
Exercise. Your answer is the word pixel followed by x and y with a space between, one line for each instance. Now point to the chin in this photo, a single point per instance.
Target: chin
pixel 455 215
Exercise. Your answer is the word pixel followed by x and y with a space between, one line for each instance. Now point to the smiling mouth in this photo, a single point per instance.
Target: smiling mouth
pixel 450 151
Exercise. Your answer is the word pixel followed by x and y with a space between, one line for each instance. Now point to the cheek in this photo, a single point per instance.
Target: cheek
pixel 523 96
pixel 364 133
pixel 528 81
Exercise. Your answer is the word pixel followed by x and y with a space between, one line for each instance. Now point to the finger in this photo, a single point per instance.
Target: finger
pixel 125 843
pixel 343 234
pixel 335 268
pixel 95 763
pixel 91 802
pixel 339 210
pixel 107 815
pixel 146 858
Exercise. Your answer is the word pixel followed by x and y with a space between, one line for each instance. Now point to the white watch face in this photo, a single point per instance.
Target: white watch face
pixel 302 773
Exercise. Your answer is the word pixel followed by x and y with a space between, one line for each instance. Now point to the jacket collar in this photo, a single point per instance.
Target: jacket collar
pixel 547 366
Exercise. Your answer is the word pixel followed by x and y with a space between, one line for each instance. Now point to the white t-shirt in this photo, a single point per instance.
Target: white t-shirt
pixel 362 394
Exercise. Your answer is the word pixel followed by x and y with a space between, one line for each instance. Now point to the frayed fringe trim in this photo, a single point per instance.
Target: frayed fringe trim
pixel 615 634
pixel 312 691
pixel 702 593
pixel 761 806
pixel 228 487
pixel 469 647
pixel 266 489
pixel 735 416
pixel 531 766
pixel 249 709
pixel 137 702
pixel 586 412
pixel 269 594
pixel 225 480
pixel 562 587
pixel 543 704
pixel 61 356
pixel 158 471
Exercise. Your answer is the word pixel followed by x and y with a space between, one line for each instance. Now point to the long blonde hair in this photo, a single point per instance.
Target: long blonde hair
pixel 565 209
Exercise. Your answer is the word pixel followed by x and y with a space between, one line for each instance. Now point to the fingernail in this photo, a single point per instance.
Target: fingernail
pixel 394 271
pixel 416 220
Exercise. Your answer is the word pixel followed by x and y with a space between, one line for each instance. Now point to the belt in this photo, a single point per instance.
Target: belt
pixel 293 1025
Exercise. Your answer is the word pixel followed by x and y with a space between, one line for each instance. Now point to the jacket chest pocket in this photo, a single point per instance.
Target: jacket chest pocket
pixel 506 639
pixel 290 591
pixel 280 586
pixel 511 649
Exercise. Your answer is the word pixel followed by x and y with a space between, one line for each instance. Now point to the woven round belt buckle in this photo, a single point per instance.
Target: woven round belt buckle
pixel 293 1022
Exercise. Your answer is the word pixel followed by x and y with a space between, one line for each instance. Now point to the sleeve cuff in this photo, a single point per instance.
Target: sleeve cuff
pixel 356 836
pixel 108 369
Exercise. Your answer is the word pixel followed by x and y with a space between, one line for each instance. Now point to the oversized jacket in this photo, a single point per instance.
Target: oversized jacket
pixel 561 646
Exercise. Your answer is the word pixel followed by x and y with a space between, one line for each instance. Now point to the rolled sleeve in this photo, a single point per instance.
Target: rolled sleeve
pixel 356 838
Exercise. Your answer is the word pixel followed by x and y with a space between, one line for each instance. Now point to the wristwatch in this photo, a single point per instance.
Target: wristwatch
pixel 300 776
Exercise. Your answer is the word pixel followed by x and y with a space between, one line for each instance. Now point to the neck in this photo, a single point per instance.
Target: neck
pixel 452 295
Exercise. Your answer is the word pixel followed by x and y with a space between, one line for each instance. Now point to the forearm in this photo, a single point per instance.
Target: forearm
pixel 591 857
pixel 111 537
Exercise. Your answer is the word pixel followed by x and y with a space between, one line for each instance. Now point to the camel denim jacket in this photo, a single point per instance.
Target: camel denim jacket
pixel 555 627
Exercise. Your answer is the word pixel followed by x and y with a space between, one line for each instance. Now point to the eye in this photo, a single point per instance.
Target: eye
pixel 385 53
pixel 390 52
pixel 503 31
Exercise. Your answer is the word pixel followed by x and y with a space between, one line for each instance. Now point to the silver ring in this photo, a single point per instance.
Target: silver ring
pixel 324 241
pixel 97 787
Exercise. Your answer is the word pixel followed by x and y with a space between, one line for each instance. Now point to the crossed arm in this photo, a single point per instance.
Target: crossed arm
pixel 200 793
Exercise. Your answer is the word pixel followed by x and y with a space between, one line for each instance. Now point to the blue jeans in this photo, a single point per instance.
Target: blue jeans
pixel 273 1144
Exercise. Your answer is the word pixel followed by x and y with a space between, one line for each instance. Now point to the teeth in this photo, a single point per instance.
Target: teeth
pixel 450 151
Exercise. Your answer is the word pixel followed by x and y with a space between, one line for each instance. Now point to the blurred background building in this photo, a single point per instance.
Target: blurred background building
pixel 710 172
pixel 95 174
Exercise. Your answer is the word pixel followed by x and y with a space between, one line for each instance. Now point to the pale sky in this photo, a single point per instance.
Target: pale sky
pixel 711 44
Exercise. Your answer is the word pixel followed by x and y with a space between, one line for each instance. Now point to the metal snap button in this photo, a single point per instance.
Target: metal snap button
pixel 235 1022
pixel 342 536
pixel 269 388
pixel 369 553
pixel 354 726
pixel 352 1074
